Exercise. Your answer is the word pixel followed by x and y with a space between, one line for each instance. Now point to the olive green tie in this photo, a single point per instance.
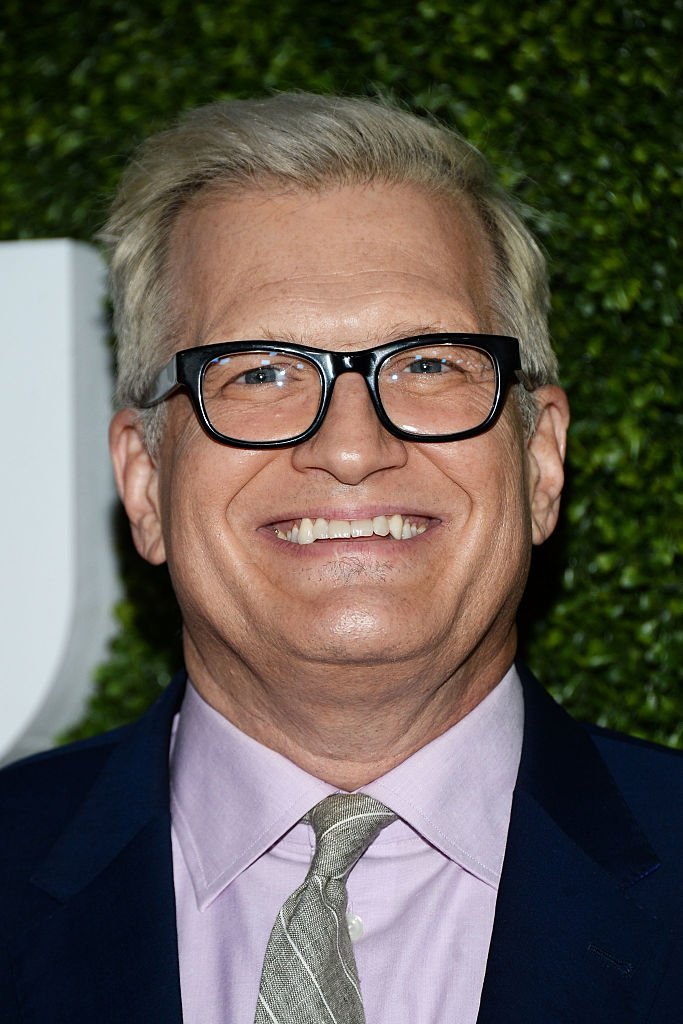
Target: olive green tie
pixel 309 971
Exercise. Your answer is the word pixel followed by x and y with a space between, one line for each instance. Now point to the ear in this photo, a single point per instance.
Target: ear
pixel 545 460
pixel 137 480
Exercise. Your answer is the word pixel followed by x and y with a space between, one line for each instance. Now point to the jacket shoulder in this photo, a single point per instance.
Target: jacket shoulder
pixel 58 767
pixel 39 794
pixel 650 779
pixel 632 755
pixel 639 759
pixel 116 773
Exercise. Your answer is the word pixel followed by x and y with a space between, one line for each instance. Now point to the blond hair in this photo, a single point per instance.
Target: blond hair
pixel 303 141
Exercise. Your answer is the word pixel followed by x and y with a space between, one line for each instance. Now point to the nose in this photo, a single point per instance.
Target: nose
pixel 351 444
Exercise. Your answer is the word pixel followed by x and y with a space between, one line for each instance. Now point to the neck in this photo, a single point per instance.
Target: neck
pixel 347 724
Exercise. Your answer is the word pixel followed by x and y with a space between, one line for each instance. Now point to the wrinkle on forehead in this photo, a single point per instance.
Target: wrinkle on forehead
pixel 224 262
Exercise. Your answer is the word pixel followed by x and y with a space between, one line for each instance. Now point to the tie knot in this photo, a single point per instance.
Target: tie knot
pixel 345 824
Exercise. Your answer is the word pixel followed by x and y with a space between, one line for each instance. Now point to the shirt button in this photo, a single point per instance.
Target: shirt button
pixel 355 926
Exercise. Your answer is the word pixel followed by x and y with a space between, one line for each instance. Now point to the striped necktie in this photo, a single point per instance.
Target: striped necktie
pixel 309 971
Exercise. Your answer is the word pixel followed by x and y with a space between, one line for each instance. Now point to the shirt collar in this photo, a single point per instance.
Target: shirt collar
pixel 457 790
pixel 232 798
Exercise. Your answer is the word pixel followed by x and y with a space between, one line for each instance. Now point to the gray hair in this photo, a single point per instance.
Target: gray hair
pixel 299 142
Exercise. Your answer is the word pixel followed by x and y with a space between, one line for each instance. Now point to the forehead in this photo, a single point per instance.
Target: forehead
pixel 350 259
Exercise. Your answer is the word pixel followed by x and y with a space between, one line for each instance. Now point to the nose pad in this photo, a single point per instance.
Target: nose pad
pixel 352 443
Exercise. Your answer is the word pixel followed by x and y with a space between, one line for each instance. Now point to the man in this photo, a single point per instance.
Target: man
pixel 329 431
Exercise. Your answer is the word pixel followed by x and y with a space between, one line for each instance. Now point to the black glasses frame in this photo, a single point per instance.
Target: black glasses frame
pixel 186 369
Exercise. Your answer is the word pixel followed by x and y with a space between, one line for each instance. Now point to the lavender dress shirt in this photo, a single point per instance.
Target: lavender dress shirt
pixel 421 900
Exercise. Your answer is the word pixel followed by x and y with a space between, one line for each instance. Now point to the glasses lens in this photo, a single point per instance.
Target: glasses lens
pixel 438 389
pixel 261 395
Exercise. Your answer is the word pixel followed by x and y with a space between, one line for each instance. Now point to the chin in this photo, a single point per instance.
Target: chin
pixel 357 636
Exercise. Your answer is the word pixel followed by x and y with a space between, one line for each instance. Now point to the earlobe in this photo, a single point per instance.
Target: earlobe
pixel 545 460
pixel 137 480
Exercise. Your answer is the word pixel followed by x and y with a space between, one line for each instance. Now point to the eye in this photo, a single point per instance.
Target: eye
pixel 263 375
pixel 421 364
pixel 257 376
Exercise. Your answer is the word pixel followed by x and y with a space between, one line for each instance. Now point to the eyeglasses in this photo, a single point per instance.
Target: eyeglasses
pixel 270 394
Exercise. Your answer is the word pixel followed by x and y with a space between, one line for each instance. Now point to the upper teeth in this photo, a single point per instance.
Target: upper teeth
pixel 306 531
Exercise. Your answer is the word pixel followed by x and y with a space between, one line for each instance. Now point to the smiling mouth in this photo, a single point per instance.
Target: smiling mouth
pixel 309 531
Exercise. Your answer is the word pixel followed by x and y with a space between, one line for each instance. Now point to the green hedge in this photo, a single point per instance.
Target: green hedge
pixel 580 107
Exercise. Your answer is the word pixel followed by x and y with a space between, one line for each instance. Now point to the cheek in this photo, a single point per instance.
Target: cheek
pixel 490 520
pixel 488 471
pixel 207 490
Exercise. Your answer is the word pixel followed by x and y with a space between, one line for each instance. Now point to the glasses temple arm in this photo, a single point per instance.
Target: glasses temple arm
pixel 163 384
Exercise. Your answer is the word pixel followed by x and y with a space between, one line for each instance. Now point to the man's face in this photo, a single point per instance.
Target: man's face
pixel 346 269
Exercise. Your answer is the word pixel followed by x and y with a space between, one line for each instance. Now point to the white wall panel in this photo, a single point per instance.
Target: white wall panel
pixel 58 576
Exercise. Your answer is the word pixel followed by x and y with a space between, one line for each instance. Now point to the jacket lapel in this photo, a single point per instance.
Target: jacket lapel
pixel 105 896
pixel 574 938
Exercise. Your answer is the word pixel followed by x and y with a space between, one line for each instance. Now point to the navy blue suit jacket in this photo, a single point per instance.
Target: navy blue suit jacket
pixel 588 926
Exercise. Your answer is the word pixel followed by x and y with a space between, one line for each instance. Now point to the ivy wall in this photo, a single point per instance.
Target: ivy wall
pixel 581 107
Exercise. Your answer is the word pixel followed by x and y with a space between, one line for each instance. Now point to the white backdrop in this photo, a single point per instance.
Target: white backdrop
pixel 57 575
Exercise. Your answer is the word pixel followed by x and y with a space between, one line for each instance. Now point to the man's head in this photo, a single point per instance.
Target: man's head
pixel 298 142
pixel 340 225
